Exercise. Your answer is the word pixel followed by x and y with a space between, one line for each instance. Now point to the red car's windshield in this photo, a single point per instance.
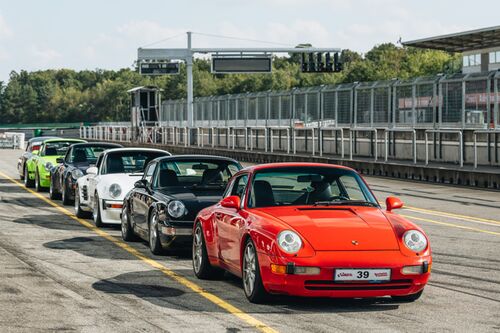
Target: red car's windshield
pixel 308 186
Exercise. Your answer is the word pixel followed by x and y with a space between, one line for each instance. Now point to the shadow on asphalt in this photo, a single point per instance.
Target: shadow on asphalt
pixel 94 246
pixel 53 221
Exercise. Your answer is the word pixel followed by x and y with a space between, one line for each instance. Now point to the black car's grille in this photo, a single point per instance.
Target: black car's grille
pixel 333 285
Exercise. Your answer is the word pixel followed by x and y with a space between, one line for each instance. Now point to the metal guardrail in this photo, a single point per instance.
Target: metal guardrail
pixel 362 142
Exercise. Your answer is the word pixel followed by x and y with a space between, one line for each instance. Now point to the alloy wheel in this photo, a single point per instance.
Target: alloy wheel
pixel 153 230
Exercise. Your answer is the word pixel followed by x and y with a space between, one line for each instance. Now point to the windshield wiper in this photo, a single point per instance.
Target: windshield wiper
pixel 345 203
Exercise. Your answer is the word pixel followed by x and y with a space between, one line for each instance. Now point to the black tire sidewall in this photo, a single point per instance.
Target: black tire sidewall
pixel 129 235
pixel 98 220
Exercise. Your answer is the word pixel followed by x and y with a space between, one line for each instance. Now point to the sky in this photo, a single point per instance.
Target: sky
pixel 105 34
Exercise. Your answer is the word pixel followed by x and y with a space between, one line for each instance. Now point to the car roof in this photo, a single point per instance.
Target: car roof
pixel 113 150
pixel 42 138
pixel 267 166
pixel 63 139
pixel 196 157
pixel 97 144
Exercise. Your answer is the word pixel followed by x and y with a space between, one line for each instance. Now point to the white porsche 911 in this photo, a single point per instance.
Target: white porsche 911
pixel 102 190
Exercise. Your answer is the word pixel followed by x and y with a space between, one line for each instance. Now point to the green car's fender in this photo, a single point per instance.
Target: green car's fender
pixel 43 172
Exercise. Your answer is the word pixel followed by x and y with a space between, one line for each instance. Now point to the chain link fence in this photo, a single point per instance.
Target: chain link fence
pixel 445 101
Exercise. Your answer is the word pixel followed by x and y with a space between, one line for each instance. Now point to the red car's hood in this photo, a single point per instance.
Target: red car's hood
pixel 339 229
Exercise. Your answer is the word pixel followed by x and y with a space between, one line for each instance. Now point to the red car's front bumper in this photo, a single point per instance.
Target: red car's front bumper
pixel 324 285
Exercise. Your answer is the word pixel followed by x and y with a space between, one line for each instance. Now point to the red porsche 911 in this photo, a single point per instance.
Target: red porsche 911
pixel 308 229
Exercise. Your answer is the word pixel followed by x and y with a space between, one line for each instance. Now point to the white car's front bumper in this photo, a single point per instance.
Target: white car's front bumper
pixel 111 210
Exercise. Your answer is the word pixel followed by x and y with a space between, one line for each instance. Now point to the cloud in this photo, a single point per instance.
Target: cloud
pixel 4 55
pixel 5 30
pixel 146 32
pixel 45 54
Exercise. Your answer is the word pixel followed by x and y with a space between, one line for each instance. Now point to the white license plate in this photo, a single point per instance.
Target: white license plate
pixel 362 274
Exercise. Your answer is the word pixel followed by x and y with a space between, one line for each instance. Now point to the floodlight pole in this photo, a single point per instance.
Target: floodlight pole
pixel 189 70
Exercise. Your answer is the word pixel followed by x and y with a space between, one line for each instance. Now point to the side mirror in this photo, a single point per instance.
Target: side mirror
pixel 232 201
pixel 35 152
pixel 92 171
pixel 393 203
pixel 141 183
pixel 59 160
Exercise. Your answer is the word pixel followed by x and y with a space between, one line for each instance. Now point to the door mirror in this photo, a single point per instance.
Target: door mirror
pixel 35 152
pixel 232 201
pixel 393 203
pixel 92 171
pixel 141 183
pixel 59 160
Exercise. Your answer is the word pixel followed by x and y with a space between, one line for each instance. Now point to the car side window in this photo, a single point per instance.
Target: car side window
pixel 239 186
pixel 150 170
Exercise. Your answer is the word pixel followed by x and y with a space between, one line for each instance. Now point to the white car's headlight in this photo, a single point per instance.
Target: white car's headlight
pixel 415 240
pixel 176 209
pixel 289 241
pixel 76 173
pixel 115 190
pixel 48 166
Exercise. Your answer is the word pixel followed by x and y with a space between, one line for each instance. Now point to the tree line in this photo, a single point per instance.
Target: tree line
pixel 65 95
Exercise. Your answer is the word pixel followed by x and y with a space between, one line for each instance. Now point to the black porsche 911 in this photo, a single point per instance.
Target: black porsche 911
pixel 75 163
pixel 162 206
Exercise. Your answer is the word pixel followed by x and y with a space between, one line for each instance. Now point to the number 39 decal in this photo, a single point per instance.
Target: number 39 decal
pixel 363 274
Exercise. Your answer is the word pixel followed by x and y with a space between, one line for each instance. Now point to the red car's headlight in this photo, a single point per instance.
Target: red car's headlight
pixel 289 241
pixel 415 240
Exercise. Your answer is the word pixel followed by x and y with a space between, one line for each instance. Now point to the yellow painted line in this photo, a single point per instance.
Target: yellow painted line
pixel 451 225
pixel 455 216
pixel 171 274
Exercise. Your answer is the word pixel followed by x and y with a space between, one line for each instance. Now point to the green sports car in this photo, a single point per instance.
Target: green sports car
pixel 39 164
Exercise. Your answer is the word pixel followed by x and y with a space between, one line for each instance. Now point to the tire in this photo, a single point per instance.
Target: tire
pixel 408 298
pixel 153 235
pixel 127 230
pixel 38 187
pixel 201 265
pixel 65 200
pixel 53 194
pixel 79 212
pixel 96 213
pixel 27 181
pixel 252 280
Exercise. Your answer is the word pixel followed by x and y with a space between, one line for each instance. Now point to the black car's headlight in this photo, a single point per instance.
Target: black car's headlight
pixel 176 209
pixel 76 173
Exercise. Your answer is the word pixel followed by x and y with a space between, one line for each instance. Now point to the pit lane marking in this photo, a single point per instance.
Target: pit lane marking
pixel 455 216
pixel 451 225
pixel 171 274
